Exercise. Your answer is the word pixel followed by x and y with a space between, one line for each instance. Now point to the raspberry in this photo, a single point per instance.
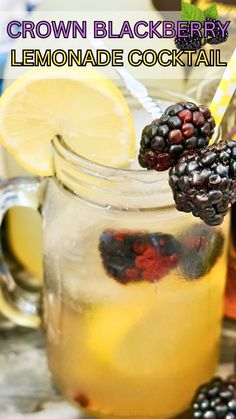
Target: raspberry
pixel 201 246
pixel 187 42
pixel 131 274
pixel 216 399
pixel 218 38
pixel 183 127
pixel 138 256
pixel 204 182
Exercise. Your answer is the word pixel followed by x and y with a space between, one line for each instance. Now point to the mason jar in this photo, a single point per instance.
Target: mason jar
pixel 133 290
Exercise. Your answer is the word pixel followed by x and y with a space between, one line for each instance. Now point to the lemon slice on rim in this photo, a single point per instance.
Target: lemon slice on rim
pixel 82 105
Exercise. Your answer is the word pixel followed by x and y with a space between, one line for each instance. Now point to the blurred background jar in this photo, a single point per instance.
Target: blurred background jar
pixel 13 9
pixel 9 10
pixel 230 292
pixel 202 83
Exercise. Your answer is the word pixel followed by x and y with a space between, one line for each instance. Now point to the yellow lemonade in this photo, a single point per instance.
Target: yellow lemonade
pixel 137 350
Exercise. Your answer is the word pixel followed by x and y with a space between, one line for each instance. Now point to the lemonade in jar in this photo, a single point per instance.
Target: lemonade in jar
pixel 133 293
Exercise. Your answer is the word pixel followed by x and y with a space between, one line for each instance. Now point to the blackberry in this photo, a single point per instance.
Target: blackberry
pixel 131 257
pixel 187 42
pixel 201 246
pixel 216 399
pixel 204 182
pixel 218 38
pixel 183 126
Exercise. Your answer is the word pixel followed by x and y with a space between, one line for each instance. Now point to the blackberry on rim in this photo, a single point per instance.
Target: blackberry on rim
pixel 204 182
pixel 183 126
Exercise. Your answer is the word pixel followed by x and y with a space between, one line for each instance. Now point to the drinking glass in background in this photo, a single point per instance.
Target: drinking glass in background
pixel 4 48
pixel 230 294
pixel 202 85
pixel 9 10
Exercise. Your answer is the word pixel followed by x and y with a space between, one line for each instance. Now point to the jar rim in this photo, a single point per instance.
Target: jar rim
pixel 66 153
pixel 104 186
pixel 62 149
pixel 116 187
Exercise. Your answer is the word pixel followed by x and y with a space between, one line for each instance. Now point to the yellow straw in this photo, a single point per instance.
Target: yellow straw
pixel 225 91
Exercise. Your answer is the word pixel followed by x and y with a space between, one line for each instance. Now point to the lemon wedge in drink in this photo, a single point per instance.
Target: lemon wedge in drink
pixel 82 105
pixel 108 326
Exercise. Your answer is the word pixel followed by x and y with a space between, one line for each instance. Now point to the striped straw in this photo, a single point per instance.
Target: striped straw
pixel 224 92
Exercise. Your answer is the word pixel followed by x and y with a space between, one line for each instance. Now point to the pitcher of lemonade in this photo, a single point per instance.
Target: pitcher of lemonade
pixel 133 294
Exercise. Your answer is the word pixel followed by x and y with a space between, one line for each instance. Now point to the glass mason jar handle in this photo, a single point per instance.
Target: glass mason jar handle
pixel 17 304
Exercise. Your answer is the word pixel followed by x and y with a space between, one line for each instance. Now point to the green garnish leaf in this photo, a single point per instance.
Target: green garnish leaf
pixel 211 12
pixel 190 13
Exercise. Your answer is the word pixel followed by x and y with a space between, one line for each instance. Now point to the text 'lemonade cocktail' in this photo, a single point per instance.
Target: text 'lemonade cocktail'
pixel 134 288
